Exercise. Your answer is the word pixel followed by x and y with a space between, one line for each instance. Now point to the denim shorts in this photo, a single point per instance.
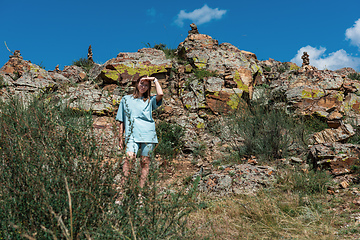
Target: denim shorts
pixel 146 148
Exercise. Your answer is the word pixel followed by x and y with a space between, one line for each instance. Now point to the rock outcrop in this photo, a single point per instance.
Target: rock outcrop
pixel 206 80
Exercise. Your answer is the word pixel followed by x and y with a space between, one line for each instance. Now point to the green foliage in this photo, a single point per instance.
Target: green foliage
pixel 150 213
pixel 266 131
pixel 55 183
pixel 48 155
pixel 169 52
pixel 2 82
pixel 41 65
pixel 84 63
pixel 203 73
pixel 170 139
pixel 305 182
pixel 199 150
pixel 267 68
pixel 313 124
pixel 283 67
pixel 17 75
pixel 354 76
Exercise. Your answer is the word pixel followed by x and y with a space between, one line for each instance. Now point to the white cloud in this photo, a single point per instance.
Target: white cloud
pixel 353 33
pixel 151 12
pixel 199 16
pixel 332 61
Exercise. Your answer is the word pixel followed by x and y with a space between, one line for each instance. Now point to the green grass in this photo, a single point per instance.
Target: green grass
pixel 56 184
pixel 354 76
pixel 84 63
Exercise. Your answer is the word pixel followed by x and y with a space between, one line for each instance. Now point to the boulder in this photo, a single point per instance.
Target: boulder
pixel 127 67
pixel 23 79
pixel 338 158
pixel 333 135
pixel 204 52
pixel 74 73
pixel 235 179
pixel 88 98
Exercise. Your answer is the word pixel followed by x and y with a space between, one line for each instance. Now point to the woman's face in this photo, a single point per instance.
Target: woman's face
pixel 143 86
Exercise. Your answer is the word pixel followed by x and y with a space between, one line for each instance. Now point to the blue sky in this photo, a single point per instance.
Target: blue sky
pixel 57 32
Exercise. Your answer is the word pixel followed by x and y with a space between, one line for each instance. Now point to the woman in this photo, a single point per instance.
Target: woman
pixel 135 117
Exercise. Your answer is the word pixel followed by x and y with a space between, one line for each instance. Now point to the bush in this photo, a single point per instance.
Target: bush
pixel 305 182
pixel 354 76
pixel 53 183
pixel 2 82
pixel 203 73
pixel 170 139
pixel 56 184
pixel 84 63
pixel 169 52
pixel 264 131
pixel 154 214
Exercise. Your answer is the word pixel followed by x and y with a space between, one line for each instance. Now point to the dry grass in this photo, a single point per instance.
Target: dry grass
pixel 275 214
pixel 263 217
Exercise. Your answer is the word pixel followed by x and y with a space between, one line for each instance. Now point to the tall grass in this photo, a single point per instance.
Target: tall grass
pixel 266 131
pixel 55 184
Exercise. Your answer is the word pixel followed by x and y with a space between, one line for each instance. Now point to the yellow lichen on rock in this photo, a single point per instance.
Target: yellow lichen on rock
pixel 234 101
pixel 312 93
pixel 240 84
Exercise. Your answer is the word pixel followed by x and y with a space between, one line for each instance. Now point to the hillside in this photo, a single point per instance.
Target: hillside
pixel 274 146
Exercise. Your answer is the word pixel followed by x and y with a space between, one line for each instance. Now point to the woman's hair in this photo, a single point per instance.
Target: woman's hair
pixel 146 94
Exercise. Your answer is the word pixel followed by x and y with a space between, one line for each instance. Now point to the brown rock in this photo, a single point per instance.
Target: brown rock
pixel 333 135
pixel 344 184
pixel 337 157
pixel 127 67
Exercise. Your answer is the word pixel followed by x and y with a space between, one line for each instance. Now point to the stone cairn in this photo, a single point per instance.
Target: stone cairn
pixel 90 54
pixel 16 54
pixel 194 29
pixel 306 59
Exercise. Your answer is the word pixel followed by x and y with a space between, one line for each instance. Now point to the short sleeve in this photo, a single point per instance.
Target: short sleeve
pixel 120 113
pixel 154 103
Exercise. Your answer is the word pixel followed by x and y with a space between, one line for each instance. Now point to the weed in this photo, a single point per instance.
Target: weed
pixel 306 183
pixel 267 68
pixel 354 76
pixel 170 139
pixel 203 73
pixel 169 52
pixel 55 183
pixel 199 150
pixel 84 63
pixel 2 82
pixel 266 131
pixel 283 67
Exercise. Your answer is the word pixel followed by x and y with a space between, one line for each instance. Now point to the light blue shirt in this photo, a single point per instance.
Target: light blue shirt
pixel 136 114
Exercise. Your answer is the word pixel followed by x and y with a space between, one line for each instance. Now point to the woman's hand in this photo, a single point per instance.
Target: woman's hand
pixel 148 78
pixel 121 144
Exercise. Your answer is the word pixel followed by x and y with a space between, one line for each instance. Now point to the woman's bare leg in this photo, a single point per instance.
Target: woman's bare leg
pixel 128 165
pixel 145 165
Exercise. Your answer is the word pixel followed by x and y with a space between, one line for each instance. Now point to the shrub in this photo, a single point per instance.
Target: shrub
pixel 2 82
pixel 152 214
pixel 203 73
pixel 304 182
pixel 266 131
pixel 354 76
pixel 169 52
pixel 170 139
pixel 267 68
pixel 84 63
pixel 283 67
pixel 55 184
